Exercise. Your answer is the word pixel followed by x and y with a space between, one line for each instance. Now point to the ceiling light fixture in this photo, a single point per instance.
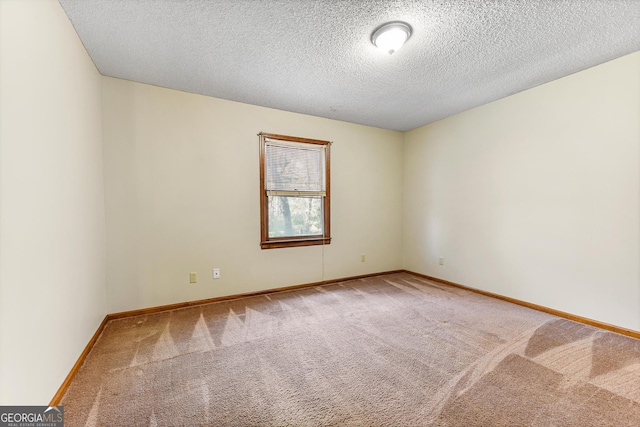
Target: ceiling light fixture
pixel 391 36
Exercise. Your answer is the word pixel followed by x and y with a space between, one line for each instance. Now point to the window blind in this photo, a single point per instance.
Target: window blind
pixel 292 170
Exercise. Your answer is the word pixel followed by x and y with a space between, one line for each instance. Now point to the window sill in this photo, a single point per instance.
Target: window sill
pixel 289 243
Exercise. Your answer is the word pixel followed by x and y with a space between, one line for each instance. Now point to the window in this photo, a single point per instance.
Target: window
pixel 294 191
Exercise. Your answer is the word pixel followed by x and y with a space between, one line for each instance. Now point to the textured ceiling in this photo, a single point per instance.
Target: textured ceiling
pixel 315 57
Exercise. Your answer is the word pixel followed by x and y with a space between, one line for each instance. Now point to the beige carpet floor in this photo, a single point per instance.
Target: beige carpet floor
pixel 391 350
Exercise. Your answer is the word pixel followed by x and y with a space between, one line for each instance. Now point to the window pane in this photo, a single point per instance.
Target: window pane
pixel 295 216
pixel 294 168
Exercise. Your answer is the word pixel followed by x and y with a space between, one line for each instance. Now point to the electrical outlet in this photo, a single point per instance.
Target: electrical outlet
pixel 193 277
pixel 216 273
pixel 362 258
pixel 441 261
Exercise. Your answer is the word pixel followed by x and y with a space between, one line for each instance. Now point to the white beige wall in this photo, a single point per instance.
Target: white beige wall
pixel 52 226
pixel 535 196
pixel 182 195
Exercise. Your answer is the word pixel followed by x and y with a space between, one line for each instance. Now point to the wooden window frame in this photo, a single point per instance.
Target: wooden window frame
pixel 267 242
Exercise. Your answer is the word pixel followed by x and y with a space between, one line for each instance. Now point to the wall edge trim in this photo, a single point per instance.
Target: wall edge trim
pixel 186 304
pixel 157 309
pixel 76 367
pixel 596 323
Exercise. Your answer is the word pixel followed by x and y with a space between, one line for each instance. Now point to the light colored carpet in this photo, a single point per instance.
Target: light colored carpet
pixel 391 350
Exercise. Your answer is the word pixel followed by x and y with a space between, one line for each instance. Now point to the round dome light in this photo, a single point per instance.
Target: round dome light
pixel 391 36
